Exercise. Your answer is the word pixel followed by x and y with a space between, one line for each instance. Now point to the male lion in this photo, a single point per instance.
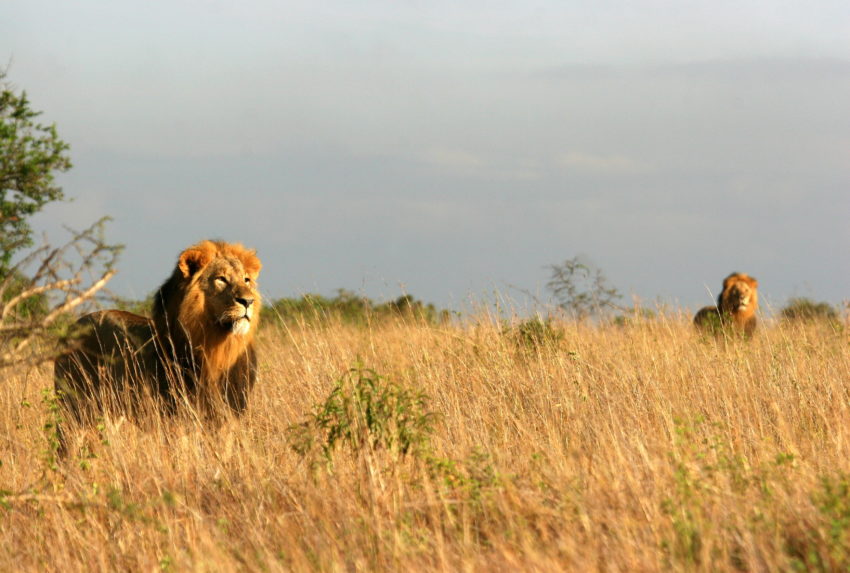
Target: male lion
pixel 736 306
pixel 198 346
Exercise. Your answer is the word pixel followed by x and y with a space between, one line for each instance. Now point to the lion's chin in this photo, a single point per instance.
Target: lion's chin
pixel 240 327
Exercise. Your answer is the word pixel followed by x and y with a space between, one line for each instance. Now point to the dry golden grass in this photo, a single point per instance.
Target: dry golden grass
pixel 637 448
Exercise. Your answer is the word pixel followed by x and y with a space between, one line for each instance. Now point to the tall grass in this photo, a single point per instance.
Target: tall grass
pixel 642 447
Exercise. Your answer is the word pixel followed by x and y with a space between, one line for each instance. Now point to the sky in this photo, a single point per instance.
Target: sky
pixel 453 150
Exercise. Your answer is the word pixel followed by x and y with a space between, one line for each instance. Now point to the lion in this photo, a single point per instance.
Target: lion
pixel 736 306
pixel 196 348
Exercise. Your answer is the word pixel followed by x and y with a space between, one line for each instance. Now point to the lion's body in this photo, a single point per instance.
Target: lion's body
pixel 198 345
pixel 736 306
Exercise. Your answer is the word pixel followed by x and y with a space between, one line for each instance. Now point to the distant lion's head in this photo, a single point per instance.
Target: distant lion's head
pixel 736 306
pixel 740 295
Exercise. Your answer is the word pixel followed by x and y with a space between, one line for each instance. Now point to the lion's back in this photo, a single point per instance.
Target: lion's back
pixel 707 316
pixel 107 348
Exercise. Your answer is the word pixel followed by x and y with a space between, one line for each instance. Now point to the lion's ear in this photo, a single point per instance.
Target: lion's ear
pixel 192 260
pixel 251 263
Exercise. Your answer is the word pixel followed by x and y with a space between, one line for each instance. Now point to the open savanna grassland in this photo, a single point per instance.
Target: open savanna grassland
pixel 638 447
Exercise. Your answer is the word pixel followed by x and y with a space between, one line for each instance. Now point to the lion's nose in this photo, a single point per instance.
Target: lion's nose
pixel 246 302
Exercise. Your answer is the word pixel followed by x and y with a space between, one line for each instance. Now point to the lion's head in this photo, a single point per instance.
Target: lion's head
pixel 739 296
pixel 221 287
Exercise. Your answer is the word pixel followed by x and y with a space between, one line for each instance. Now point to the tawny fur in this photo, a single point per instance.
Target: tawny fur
pixel 197 346
pixel 736 305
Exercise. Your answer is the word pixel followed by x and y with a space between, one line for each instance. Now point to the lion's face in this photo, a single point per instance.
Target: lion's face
pixel 230 295
pixel 222 288
pixel 740 294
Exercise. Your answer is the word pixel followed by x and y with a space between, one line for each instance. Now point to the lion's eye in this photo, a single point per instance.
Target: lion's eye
pixel 221 281
pixel 248 280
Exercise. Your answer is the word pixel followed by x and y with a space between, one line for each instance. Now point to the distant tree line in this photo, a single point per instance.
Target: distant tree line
pixel 351 308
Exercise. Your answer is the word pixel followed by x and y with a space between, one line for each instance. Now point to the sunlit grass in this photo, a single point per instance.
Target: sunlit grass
pixel 612 448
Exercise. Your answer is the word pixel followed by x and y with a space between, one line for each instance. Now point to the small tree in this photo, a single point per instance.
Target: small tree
pixel 581 288
pixel 30 154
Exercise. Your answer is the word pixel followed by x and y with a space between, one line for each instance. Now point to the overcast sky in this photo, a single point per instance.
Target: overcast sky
pixel 448 149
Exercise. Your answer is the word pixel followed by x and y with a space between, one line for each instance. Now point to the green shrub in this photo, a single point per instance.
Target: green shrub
pixel 366 411
pixel 801 308
pixel 823 543
pixel 634 316
pixel 535 332
pixel 833 503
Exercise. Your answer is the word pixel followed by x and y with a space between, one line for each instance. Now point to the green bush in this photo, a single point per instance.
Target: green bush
pixel 822 543
pixel 802 308
pixel 535 333
pixel 634 316
pixel 366 411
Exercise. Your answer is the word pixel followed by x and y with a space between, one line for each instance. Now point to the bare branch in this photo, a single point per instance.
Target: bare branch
pixel 36 306
pixel 15 300
pixel 88 294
